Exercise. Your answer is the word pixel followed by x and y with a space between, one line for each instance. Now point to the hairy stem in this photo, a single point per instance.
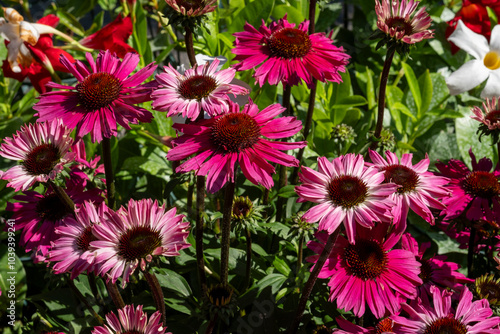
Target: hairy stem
pixel 157 293
pixel 115 295
pixel 200 208
pixel 188 38
pixel 226 232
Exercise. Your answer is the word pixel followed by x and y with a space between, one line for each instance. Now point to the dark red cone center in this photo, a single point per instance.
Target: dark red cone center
pixel 197 87
pixel 446 325
pixel 50 208
pixel 366 259
pixel 481 184
pixel 83 241
pixel 138 242
pixel 403 176
pixel 235 132
pixel 98 90
pixel 347 191
pixel 493 116
pixel 400 24
pixel 289 43
pixel 42 159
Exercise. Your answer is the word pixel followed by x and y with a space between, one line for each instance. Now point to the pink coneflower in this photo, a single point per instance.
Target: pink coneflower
pixel 103 97
pixel 42 149
pixel 434 270
pixel 394 18
pixel 200 87
pixel 348 192
pixel 368 272
pixel 131 237
pixel 383 326
pixel 418 189
pixel 237 136
pixel 491 115
pixel 71 248
pixel 192 8
pixel 131 320
pixel 469 317
pixel 477 192
pixel 39 215
pixel 288 54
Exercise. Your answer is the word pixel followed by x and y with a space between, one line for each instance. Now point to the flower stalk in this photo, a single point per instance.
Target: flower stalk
pixel 249 260
pixel 157 293
pixel 283 179
pixel 226 232
pixel 470 253
pixel 108 171
pixel 81 298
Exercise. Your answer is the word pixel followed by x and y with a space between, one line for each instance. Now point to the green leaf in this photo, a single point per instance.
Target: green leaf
pixel 248 14
pixel 287 191
pixel 70 22
pixel 467 138
pixel 350 101
pixel 172 281
pixel 425 83
pixel 404 109
pixel 274 280
pixel 414 87
pixel 293 14
pixel 281 266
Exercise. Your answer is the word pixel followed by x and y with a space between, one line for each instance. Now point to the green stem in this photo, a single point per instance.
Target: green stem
pixel 300 252
pixel 157 293
pixel 200 208
pixel 188 38
pixel 306 292
pixel 226 232
pixel 108 171
pixel 81 297
pixel 249 260
pixel 283 180
pixel 381 95
pixel 63 196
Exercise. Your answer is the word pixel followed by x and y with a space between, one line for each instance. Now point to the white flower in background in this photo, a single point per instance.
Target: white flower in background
pixel 485 66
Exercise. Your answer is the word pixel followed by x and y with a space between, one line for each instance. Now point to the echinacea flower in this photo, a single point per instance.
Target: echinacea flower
pixel 41 57
pixel 192 8
pixel 483 67
pixel 435 271
pixel 383 326
pixel 237 136
pixel 288 54
pixel 199 88
pixel 399 22
pixel 488 287
pixel 103 97
pixel 370 272
pixel 112 37
pixel 132 320
pixel 477 192
pixel 41 148
pixel 70 250
pixel 468 318
pixel 131 237
pixel 347 192
pixel 489 117
pixel 39 215
pixel 418 189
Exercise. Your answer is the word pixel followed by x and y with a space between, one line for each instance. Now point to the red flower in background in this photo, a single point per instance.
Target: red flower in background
pixel 43 52
pixel 475 16
pixel 112 37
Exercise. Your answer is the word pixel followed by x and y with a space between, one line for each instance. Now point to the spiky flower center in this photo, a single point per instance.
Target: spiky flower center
pixel 489 288
pixel 235 132
pixel 425 271
pixel 98 90
pixel 191 4
pixel 481 184
pixel 242 207
pixel 399 24
pixel 403 176
pixel 197 87
pixel 492 60
pixel 289 43
pixel 220 295
pixel 83 241
pixel 138 242
pixel 383 326
pixel 42 159
pixel 347 191
pixel 50 208
pixel 446 325
pixel 493 116
pixel 366 259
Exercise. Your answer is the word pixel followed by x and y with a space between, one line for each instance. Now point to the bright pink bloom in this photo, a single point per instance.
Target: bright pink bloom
pixel 131 237
pixel 348 192
pixel 112 37
pixel 469 317
pixel 237 136
pixel 131 320
pixel 418 189
pixel 71 248
pixel 199 88
pixel 38 216
pixel 477 192
pixel 435 270
pixel 369 272
pixel 103 97
pixel 42 149
pixel 288 54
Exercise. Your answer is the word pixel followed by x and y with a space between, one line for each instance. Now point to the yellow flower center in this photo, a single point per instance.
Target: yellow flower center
pixel 492 60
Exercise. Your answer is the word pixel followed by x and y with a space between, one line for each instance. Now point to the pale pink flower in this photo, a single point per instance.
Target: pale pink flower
pixel 491 115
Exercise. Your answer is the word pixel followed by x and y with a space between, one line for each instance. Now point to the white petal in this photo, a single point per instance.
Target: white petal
pixel 201 59
pixel 495 38
pixel 474 44
pixel 492 88
pixel 468 76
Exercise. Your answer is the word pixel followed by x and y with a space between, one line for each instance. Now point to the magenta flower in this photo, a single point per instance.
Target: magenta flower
pixel 131 320
pixel 394 18
pixel 71 248
pixel 383 326
pixel 348 192
pixel 469 317
pixel 369 272
pixel 38 216
pixel 237 137
pixel 435 271
pixel 288 54
pixel 42 149
pixel 103 97
pixel 131 237
pixel 418 189
pixel 476 192
pixel 200 87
